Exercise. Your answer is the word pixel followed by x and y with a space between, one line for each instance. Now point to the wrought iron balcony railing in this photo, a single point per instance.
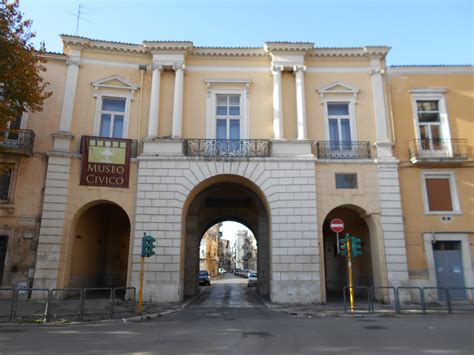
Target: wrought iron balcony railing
pixel 343 150
pixel 17 141
pixel 216 148
pixel 430 150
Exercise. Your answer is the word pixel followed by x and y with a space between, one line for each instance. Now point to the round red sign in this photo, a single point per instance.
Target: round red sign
pixel 337 225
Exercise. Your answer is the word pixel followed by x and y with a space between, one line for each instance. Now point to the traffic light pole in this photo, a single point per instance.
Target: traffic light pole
pixel 349 273
pixel 140 292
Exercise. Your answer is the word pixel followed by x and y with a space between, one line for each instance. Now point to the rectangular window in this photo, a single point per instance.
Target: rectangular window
pixel 3 254
pixel 339 125
pixel 228 117
pixel 429 124
pixel 6 175
pixel 112 116
pixel 440 193
pixel 346 181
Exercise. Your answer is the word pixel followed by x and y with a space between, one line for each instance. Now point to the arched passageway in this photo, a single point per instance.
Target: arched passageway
pixel 335 265
pixel 100 247
pixel 229 200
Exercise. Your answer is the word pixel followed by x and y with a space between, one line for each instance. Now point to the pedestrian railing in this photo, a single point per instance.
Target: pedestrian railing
pixel 411 300
pixel 65 304
pixel 362 295
pixel 384 299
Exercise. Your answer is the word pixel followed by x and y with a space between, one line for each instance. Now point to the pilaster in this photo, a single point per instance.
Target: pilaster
pixel 277 103
pixel 178 100
pixel 154 101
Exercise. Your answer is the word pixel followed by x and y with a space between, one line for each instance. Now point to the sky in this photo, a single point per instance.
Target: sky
pixel 419 31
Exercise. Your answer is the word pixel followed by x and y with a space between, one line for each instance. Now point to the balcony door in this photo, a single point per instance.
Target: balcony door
pixel 432 126
pixel 340 130
pixel 228 123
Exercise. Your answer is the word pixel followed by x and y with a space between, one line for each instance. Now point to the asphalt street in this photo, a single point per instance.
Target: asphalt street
pixel 229 318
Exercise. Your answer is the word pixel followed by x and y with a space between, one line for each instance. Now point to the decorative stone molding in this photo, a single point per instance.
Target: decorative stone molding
pixel 179 66
pixel 277 69
pixel 107 83
pixel 288 46
pixel 298 68
pixel 73 61
pixel 338 88
pixel 158 66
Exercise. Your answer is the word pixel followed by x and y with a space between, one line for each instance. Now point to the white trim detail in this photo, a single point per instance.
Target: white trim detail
pixel 128 98
pixel 352 117
pixel 211 105
pixel 427 70
pixel 333 89
pixel 440 174
pixel 430 238
pixel 435 95
pixel 126 85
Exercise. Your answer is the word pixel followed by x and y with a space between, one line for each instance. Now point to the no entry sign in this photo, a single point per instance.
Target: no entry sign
pixel 337 225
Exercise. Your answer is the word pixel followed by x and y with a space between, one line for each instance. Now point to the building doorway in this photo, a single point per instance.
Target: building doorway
pixel 100 247
pixel 226 198
pixel 335 265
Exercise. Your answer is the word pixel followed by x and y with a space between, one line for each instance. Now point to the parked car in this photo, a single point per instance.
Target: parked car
pixel 222 271
pixel 204 278
pixel 252 281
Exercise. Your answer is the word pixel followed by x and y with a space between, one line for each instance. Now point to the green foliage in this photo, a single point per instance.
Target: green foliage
pixel 21 85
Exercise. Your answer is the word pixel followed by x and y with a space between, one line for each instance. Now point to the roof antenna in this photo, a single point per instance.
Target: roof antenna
pixel 78 16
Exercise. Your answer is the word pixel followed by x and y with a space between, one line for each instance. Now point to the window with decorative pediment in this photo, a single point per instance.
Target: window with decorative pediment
pixel 339 101
pixel 114 95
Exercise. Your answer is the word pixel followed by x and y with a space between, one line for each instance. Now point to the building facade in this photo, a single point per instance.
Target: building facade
pixel 281 138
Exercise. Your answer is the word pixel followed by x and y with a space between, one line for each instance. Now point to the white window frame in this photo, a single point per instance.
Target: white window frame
pixel 452 187
pixel 228 117
pixel 432 95
pixel 352 123
pixel 429 239
pixel 98 112
pixel 211 114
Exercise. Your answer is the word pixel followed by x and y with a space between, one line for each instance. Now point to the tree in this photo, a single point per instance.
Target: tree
pixel 21 86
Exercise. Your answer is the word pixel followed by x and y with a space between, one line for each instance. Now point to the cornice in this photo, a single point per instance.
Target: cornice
pixel 289 47
pixel 227 52
pixel 82 42
pixel 180 46
pixel 430 69
pixel 368 51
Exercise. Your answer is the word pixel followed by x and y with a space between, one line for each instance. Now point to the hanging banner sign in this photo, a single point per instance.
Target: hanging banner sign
pixel 105 161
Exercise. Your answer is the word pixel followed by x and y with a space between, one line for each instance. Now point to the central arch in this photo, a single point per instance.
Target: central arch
pixel 218 199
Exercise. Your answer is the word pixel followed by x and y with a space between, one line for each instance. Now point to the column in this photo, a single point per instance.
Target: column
pixel 300 102
pixel 384 145
pixel 178 101
pixel 154 101
pixel 73 63
pixel 277 103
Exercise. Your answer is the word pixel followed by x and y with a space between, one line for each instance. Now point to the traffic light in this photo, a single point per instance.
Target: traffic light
pixel 356 246
pixel 343 246
pixel 148 245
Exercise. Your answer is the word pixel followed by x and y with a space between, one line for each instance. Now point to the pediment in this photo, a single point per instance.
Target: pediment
pixel 115 82
pixel 338 87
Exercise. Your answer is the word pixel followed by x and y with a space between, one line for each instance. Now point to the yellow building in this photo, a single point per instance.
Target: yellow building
pixel 433 115
pixel 209 251
pixel 168 139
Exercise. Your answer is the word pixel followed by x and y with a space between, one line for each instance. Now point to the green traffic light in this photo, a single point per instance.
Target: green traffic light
pixel 356 246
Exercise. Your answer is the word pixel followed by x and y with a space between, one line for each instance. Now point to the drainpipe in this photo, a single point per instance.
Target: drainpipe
pixel 142 69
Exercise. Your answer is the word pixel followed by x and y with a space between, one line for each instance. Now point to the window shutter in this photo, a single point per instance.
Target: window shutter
pixel 439 194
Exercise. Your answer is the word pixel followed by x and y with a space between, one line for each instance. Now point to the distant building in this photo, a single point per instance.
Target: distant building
pixel 208 251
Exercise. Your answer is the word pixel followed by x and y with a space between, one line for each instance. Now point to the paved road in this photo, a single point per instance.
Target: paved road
pixel 228 291
pixel 241 326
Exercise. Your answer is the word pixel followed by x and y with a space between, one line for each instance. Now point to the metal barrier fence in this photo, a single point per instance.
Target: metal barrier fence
pixel 65 304
pixel 383 300
pixel 424 301
pixel 357 290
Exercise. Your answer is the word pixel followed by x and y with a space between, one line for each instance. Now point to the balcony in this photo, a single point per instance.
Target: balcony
pixel 227 148
pixel 438 151
pixel 343 150
pixel 17 141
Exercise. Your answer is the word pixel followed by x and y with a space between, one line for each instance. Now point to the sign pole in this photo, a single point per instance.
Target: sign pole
pixel 140 293
pixel 337 243
pixel 349 273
